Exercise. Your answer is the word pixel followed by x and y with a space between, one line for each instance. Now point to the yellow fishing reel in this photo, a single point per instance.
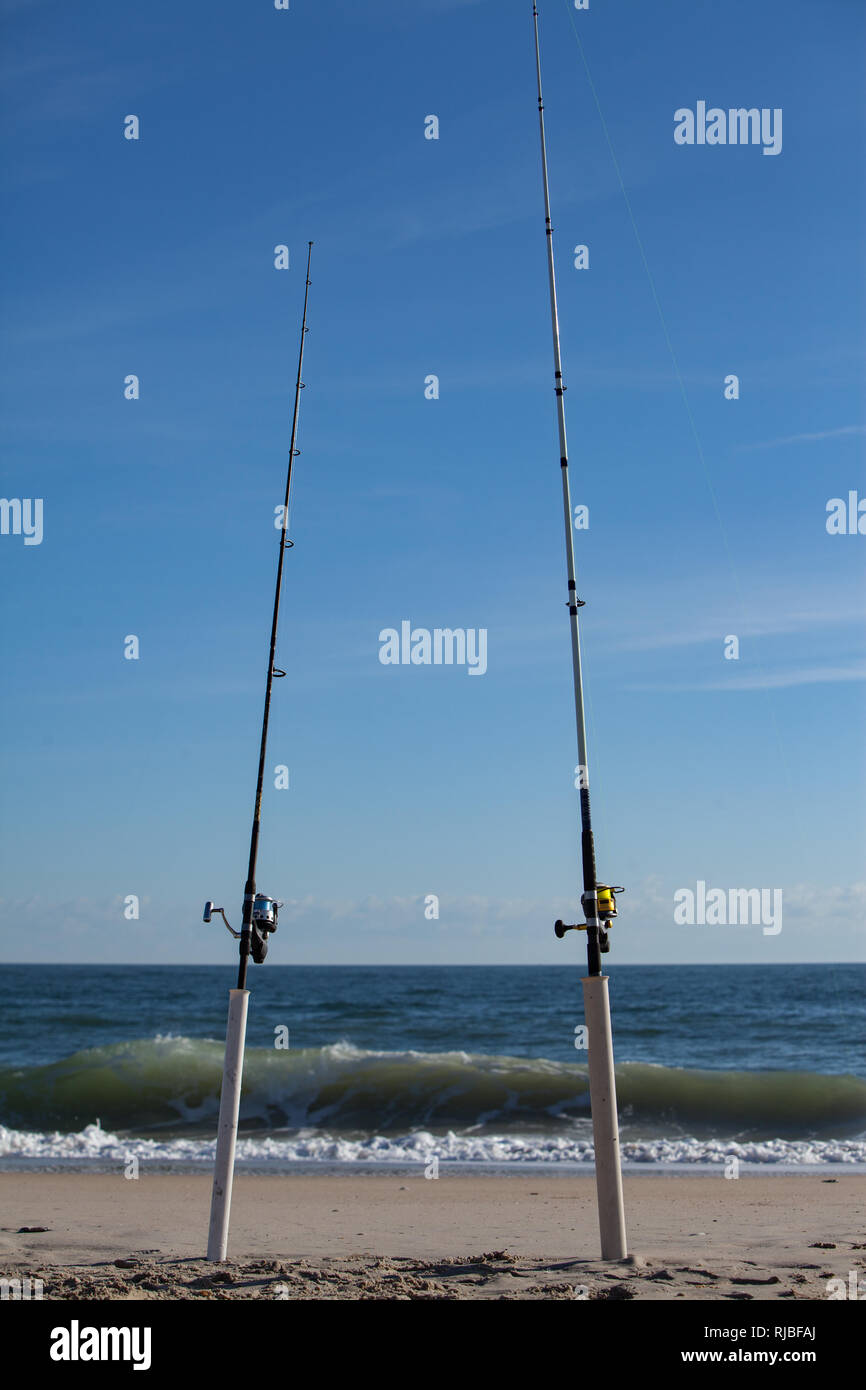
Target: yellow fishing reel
pixel 606 908
pixel 607 902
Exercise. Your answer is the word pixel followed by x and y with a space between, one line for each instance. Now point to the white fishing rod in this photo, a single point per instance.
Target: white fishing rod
pixel 260 912
pixel 598 900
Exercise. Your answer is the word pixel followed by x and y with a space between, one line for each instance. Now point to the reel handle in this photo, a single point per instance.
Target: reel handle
pixel 560 928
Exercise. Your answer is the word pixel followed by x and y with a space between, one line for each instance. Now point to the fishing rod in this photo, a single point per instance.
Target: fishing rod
pixel 598 900
pixel 260 912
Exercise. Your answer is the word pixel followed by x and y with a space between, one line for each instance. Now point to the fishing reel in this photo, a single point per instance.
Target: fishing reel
pixel 606 911
pixel 263 922
pixel 264 919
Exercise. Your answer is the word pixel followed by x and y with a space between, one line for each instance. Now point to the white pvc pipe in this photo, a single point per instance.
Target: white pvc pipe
pixel 227 1131
pixel 605 1126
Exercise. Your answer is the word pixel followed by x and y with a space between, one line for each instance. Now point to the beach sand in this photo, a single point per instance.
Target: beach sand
pixel 457 1237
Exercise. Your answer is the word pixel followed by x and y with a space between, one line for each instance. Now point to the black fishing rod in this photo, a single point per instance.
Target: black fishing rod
pixel 598 900
pixel 596 938
pixel 259 911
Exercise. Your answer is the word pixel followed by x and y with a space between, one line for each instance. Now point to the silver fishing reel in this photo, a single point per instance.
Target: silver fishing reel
pixel 265 912
pixel 263 919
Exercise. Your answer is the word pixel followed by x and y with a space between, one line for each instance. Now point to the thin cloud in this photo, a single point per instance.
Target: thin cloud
pixel 840 433
pixel 771 680
pixel 775 625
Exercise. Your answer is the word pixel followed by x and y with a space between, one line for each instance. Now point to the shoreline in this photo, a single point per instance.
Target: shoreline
pixel 315 1168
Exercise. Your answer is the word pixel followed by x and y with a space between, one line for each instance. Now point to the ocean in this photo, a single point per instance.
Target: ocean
pixel 401 1065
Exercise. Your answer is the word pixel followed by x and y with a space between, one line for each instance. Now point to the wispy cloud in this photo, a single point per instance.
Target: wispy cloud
pixel 840 433
pixel 769 625
pixel 707 613
pixel 769 680
pixel 815 902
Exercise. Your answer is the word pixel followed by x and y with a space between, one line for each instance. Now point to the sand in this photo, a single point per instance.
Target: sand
pixel 457 1237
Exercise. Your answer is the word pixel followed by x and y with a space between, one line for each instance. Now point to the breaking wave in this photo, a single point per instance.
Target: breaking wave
pixel 167 1088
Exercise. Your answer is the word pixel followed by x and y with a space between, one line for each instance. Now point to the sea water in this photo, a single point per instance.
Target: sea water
pixel 406 1065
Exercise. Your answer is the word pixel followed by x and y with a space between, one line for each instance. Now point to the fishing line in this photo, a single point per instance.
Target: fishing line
pixel 794 800
pixel 694 429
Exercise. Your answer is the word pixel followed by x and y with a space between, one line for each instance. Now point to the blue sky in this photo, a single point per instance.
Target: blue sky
pixel 707 515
